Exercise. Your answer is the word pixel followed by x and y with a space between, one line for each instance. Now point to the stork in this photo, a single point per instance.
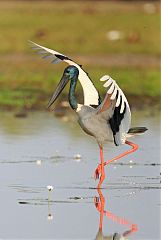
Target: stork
pixel 108 120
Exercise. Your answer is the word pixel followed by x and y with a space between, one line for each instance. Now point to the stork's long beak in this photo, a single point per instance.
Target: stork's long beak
pixel 63 82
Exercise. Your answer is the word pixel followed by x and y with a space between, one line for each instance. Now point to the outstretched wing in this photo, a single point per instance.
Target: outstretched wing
pixel 91 95
pixel 116 110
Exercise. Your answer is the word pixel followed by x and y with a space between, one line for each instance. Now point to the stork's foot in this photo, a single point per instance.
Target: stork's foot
pixel 99 174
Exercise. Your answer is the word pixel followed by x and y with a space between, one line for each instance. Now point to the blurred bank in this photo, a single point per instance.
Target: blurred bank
pixel 118 38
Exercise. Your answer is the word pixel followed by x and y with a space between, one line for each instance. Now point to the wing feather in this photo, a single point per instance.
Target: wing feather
pixel 91 95
pixel 111 89
pixel 113 96
pixel 118 99
pixel 116 108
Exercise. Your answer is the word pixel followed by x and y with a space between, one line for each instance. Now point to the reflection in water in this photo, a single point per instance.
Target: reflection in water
pixel 31 159
pixel 50 215
pixel 100 204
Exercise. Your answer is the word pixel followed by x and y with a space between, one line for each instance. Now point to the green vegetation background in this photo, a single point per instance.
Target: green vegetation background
pixel 79 30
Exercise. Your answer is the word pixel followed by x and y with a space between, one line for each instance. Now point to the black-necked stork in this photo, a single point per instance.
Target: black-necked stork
pixel 108 120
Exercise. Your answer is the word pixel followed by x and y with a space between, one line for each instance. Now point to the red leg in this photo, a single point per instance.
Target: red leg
pixel 102 171
pixel 133 149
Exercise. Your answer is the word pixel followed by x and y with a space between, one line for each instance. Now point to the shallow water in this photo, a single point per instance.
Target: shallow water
pixel 40 150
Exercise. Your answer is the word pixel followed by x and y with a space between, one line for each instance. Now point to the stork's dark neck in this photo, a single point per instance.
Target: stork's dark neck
pixel 71 95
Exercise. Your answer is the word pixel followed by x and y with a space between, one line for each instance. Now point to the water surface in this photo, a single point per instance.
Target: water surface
pixel 41 150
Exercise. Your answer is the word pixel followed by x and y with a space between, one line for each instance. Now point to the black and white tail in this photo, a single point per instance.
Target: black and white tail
pixel 136 131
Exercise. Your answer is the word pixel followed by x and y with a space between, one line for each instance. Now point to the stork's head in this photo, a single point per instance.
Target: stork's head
pixel 70 74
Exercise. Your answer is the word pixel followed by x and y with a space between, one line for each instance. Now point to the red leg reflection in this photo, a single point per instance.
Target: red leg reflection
pixel 98 170
pixel 100 204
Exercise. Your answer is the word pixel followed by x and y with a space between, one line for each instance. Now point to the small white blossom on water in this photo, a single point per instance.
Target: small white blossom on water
pixel 131 161
pixel 38 162
pixel 77 156
pixel 49 187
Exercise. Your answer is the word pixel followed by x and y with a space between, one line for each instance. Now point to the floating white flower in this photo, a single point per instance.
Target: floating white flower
pixel 50 188
pixel 77 156
pixel 38 162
